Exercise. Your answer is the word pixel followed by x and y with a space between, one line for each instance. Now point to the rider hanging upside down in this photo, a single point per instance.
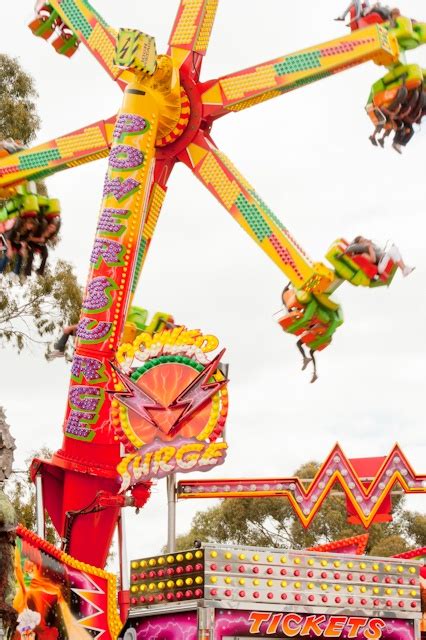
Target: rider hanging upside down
pixel 407 109
pixel 396 101
pixel 391 113
pixel 307 359
pixel 406 130
pixel 313 318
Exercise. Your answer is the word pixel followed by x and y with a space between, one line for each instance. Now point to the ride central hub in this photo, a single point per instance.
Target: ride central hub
pixel 136 52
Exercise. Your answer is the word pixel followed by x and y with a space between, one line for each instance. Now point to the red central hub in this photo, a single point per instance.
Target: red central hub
pixel 192 124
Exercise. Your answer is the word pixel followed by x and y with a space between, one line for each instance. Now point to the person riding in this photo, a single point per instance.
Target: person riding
pixel 391 113
pixel 407 109
pixel 373 253
pixel 406 131
pixel 9 146
pixel 308 358
pixel 47 230
pixel 17 243
pixel 359 9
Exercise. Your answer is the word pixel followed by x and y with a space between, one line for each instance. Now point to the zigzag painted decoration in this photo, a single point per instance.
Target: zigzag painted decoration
pixel 413 554
pixel 355 546
pixel 365 496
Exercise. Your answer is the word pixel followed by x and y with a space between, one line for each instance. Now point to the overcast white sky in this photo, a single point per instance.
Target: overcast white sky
pixel 308 155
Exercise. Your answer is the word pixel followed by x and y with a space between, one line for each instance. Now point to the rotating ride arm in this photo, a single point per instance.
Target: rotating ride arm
pixel 84 145
pixel 309 313
pixel 230 188
pixel 190 35
pixel 314 314
pixel 82 24
pixel 237 91
pixel 22 200
pixel 70 21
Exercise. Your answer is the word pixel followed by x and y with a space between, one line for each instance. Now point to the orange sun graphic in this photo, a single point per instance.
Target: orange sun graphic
pixel 158 404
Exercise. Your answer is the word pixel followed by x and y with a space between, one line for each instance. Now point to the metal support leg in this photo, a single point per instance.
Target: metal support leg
pixel 122 546
pixel 205 617
pixel 124 593
pixel 39 506
pixel 171 513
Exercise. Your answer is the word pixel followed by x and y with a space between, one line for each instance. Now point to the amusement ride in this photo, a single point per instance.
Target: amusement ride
pixel 147 400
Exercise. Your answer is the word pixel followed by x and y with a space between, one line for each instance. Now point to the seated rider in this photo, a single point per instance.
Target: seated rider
pixel 367 249
pixel 357 6
pixel 382 10
pixel 16 240
pixel 47 230
pixel 9 146
pixel 359 9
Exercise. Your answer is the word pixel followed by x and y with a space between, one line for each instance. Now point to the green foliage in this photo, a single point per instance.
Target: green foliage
pixel 18 117
pixel 39 308
pixel 271 522
pixel 21 492
pixel 416 527
pixel 389 546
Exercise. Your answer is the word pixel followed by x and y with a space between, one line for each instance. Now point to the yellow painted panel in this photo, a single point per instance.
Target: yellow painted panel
pixel 157 198
pixel 213 174
pixel 261 78
pixel 196 153
pixel 206 28
pixel 186 27
pixel 100 43
pixel 250 102
pixel 92 138
pixel 212 95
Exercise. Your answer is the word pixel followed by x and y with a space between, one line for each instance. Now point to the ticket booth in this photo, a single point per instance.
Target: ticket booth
pixel 222 592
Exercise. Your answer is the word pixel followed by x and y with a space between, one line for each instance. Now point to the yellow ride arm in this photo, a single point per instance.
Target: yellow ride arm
pixel 243 89
pixel 81 146
pixel 94 32
pixel 192 29
pixel 224 181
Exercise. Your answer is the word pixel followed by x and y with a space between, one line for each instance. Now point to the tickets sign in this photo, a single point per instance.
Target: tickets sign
pixel 266 624
pixel 317 626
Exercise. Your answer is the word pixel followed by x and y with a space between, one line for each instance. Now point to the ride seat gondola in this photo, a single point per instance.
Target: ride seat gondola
pixel 45 22
pixel 48 22
pixel 312 317
pixel 357 269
